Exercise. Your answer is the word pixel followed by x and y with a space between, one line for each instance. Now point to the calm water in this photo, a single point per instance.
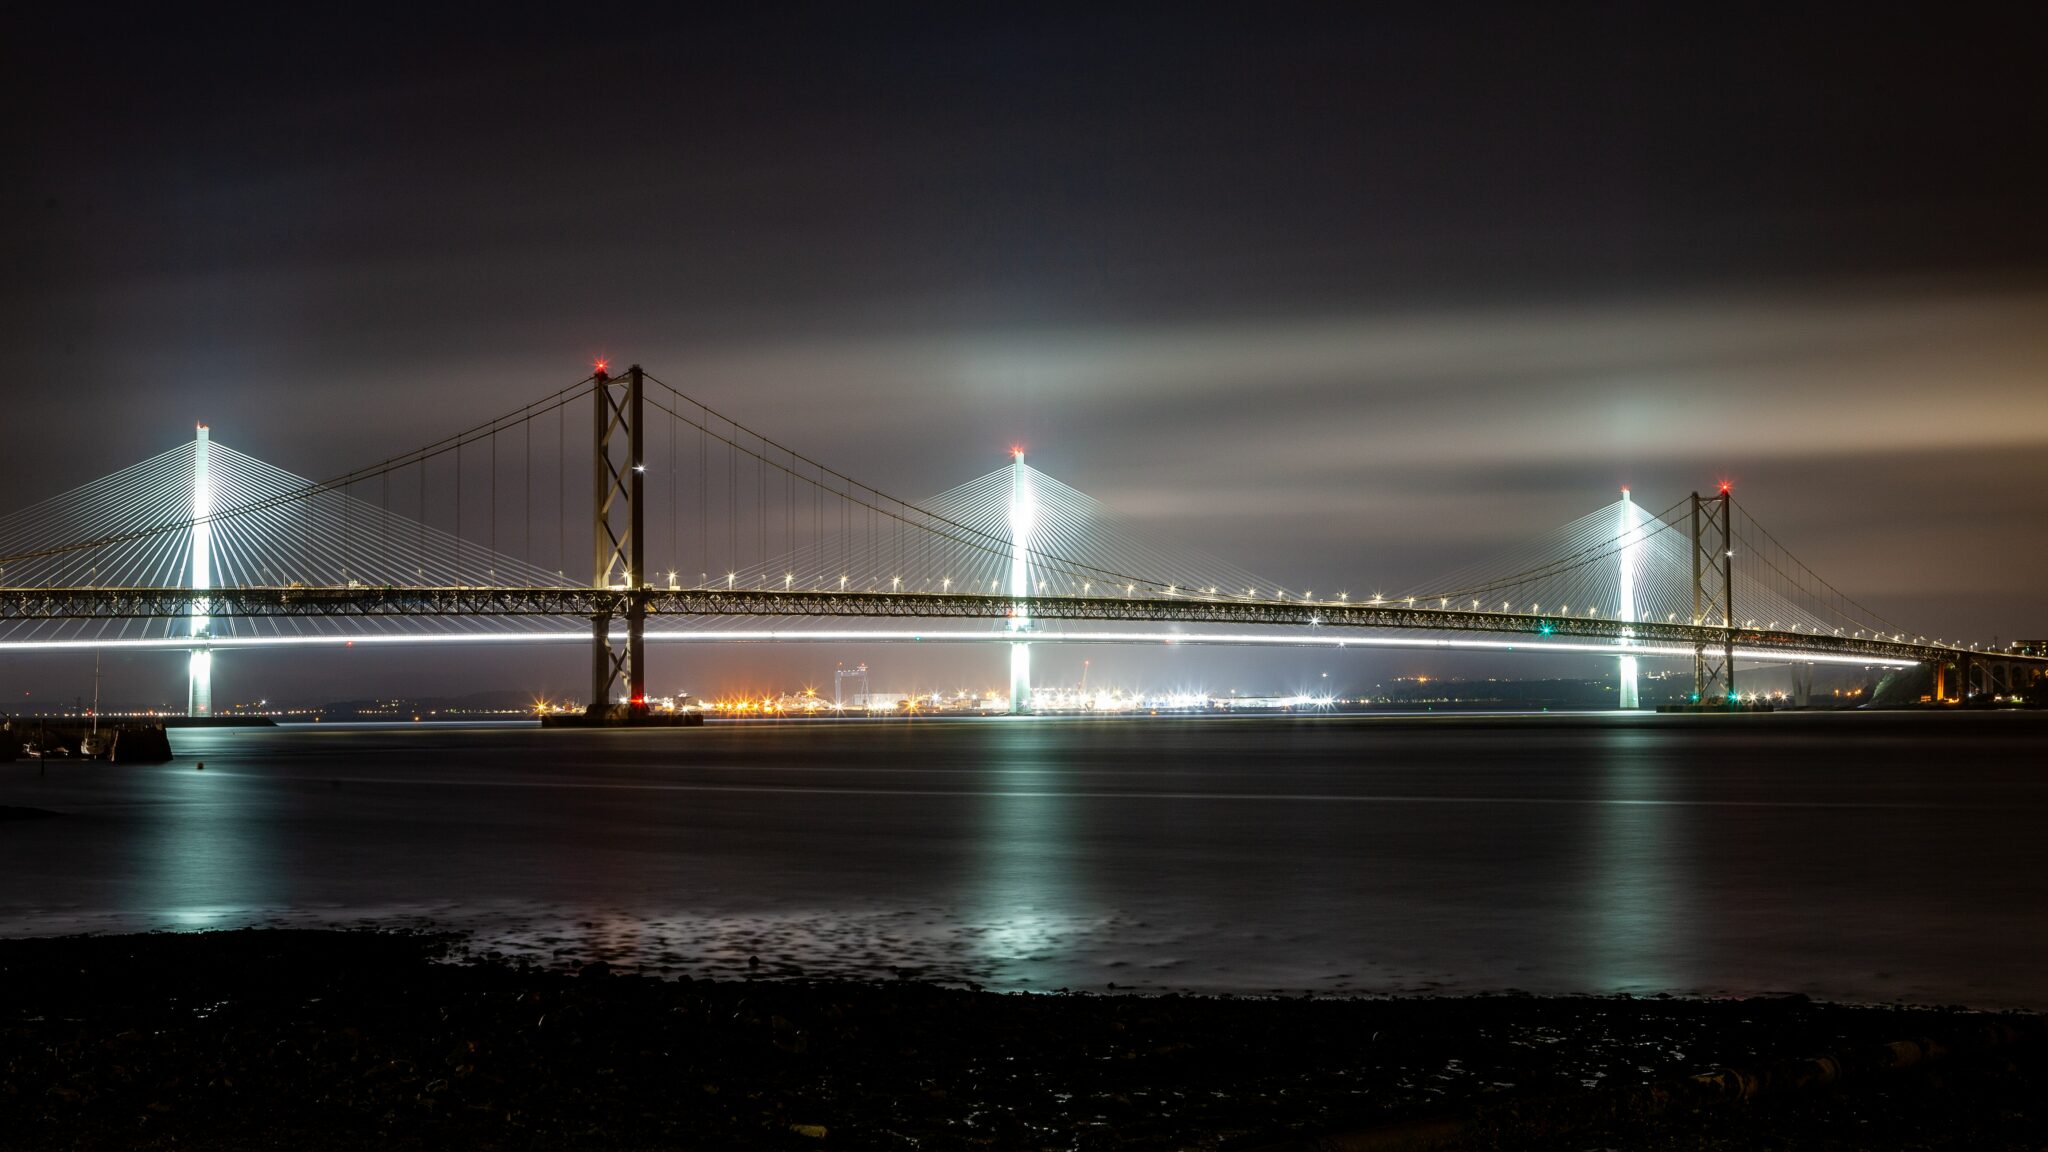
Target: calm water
pixel 1851 857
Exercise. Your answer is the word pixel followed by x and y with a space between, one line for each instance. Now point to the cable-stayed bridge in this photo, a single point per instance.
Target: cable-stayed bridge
pixel 707 528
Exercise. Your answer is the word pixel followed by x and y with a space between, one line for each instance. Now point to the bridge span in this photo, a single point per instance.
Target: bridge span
pixel 1538 632
pixel 203 548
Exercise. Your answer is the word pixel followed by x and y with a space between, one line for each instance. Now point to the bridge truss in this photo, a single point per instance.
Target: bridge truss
pixel 327 604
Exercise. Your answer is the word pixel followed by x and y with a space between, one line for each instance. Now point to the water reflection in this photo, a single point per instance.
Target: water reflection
pixel 1818 852
pixel 1021 918
pixel 210 852
pixel 1636 895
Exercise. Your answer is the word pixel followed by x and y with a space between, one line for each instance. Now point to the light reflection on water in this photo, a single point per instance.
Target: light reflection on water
pixel 1022 905
pixel 208 857
pixel 1811 853
pixel 1638 898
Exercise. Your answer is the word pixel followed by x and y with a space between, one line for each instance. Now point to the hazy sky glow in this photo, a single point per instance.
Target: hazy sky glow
pixel 1350 298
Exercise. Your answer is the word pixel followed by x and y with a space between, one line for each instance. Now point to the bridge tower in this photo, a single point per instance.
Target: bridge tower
pixel 1631 558
pixel 1713 596
pixel 1023 518
pixel 199 671
pixel 618 542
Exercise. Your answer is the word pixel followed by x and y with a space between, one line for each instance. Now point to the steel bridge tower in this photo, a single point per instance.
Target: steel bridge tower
pixel 1023 517
pixel 199 671
pixel 1713 595
pixel 618 542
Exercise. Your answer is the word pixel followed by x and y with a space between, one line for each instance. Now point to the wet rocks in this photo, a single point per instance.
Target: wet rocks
pixel 328 1040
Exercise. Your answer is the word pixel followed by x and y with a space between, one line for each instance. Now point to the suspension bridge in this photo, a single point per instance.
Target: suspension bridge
pixel 203 548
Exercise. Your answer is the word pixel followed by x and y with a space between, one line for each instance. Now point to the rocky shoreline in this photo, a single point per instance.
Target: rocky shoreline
pixel 329 1039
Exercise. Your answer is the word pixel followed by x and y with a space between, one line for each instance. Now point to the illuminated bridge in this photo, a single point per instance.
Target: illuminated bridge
pixel 701 529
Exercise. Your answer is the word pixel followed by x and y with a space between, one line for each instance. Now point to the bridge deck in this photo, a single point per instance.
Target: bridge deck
pixel 22 604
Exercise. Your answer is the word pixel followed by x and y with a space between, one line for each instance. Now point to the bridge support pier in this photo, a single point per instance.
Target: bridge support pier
pixel 618 545
pixel 1802 684
pixel 1023 515
pixel 1713 594
pixel 199 669
pixel 1631 537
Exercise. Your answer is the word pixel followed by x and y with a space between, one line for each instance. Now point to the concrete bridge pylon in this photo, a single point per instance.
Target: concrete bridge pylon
pixel 1023 518
pixel 199 670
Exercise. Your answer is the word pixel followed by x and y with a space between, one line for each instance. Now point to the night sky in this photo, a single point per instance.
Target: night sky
pixel 1346 295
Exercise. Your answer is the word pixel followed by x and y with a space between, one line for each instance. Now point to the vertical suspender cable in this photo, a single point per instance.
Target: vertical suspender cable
pixel 732 501
pixel 561 490
pixel 493 536
pixel 704 502
pixel 526 501
pixel 675 538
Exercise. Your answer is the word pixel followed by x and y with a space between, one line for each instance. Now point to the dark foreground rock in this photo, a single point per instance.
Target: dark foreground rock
pixel 328 1040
